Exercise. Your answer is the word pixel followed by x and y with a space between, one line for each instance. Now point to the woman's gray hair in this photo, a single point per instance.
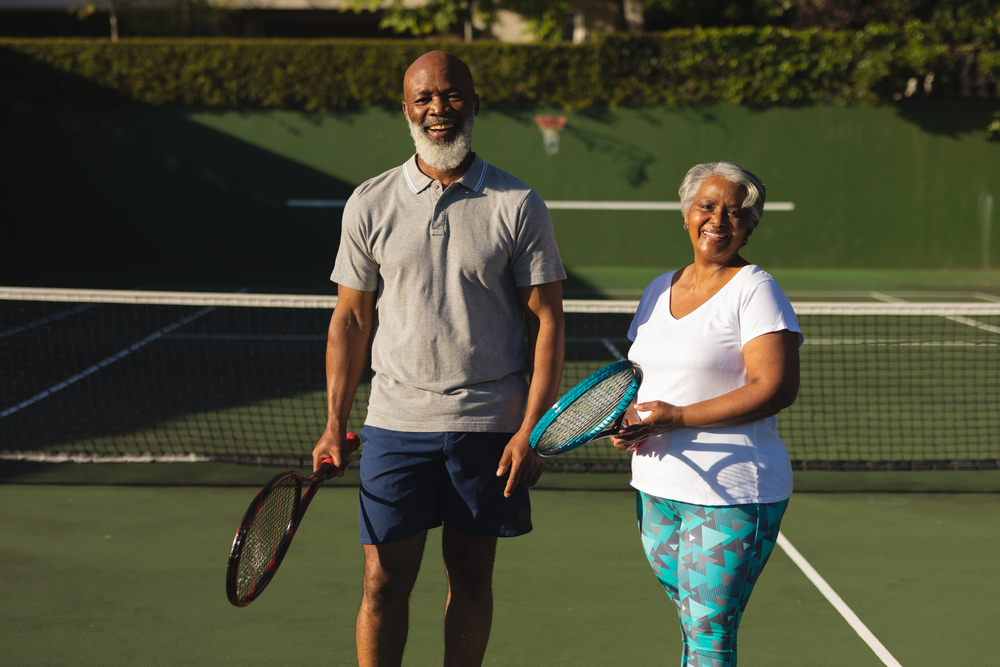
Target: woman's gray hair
pixel 732 172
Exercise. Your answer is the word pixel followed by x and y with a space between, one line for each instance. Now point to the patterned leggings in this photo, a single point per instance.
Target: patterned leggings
pixel 708 559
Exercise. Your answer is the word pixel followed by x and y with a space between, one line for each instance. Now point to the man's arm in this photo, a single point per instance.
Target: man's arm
pixel 346 358
pixel 542 308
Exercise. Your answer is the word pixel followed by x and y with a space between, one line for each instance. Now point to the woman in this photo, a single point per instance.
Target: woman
pixel 718 345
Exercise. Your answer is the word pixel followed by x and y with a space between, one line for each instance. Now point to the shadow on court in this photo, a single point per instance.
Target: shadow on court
pixel 122 194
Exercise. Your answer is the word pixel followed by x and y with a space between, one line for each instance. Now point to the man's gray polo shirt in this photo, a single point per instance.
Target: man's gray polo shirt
pixel 448 350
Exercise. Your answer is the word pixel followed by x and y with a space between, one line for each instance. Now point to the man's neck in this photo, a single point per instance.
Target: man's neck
pixel 446 177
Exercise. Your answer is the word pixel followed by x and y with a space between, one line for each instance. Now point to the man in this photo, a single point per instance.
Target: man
pixel 454 251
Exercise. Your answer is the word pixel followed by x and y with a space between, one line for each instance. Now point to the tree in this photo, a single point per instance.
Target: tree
pixel 174 18
pixel 544 17
pixel 960 19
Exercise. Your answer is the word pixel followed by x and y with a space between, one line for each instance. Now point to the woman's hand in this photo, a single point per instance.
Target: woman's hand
pixel 631 417
pixel 660 418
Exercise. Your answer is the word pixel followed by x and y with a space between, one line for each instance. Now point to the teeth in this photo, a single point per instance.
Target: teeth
pixel 439 127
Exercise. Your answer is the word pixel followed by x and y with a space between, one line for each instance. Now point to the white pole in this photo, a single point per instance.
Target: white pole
pixel 986 220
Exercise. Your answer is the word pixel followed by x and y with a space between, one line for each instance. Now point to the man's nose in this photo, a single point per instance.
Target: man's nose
pixel 438 105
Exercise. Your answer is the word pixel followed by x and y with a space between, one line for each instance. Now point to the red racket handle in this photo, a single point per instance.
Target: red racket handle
pixel 329 462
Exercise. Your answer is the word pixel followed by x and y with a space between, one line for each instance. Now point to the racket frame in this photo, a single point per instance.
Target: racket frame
pixel 302 501
pixel 608 426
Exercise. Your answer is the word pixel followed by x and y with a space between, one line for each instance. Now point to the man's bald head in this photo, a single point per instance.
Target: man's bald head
pixel 438 64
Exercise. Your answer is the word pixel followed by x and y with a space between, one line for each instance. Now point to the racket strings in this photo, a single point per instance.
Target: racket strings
pixel 264 535
pixel 587 412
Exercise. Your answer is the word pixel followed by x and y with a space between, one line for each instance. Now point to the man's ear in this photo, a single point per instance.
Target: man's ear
pixel 475 107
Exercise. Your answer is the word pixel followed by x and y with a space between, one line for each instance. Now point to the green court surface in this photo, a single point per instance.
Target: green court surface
pixel 112 574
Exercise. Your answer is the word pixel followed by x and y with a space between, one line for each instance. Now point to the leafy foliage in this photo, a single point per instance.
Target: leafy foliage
pixel 822 14
pixel 751 66
pixel 438 16
pixel 162 18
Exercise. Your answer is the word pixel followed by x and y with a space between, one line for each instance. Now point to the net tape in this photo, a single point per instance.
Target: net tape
pixel 175 376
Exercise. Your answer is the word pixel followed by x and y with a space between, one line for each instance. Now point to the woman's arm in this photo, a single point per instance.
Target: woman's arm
pixel 772 363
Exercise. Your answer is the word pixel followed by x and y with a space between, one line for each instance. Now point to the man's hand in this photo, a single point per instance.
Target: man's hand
pixel 525 465
pixel 334 445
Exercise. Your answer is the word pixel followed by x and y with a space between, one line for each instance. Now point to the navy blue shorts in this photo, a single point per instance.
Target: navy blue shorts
pixel 414 481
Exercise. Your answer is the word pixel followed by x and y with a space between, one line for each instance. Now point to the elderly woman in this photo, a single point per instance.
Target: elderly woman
pixel 718 345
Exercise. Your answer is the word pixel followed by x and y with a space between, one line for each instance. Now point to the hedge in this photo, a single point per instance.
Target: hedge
pixel 752 66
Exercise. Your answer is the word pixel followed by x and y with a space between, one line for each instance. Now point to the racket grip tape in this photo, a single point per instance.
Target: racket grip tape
pixel 327 467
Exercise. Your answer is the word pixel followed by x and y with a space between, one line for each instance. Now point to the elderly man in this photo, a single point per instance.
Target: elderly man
pixel 455 252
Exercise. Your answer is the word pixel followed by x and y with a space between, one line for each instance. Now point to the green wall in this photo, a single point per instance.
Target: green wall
pixel 892 187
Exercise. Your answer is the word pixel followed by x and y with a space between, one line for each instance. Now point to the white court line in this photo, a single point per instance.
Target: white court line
pixel 613 349
pixel 112 359
pixel 45 320
pixel 881 651
pixel 561 205
pixel 106 362
pixel 886 298
pixel 643 205
pixel 254 337
pixel 972 323
pixel 316 203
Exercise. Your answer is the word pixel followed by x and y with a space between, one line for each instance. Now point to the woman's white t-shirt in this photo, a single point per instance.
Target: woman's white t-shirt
pixel 698 357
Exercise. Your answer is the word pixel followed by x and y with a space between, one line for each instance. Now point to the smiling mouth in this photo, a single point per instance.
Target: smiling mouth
pixel 439 127
pixel 714 235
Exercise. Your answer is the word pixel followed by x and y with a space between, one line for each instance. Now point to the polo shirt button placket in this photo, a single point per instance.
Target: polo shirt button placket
pixel 438 221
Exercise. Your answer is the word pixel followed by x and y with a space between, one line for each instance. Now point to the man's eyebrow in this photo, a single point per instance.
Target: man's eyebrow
pixel 447 91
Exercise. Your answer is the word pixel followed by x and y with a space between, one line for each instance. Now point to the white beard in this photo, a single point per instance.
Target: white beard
pixel 443 156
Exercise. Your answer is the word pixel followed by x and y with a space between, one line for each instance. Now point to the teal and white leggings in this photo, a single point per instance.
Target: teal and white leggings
pixel 708 559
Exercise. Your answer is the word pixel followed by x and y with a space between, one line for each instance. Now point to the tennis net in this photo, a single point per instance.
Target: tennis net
pixel 164 376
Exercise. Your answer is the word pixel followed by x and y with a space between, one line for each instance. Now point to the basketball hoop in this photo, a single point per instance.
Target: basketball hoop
pixel 550 127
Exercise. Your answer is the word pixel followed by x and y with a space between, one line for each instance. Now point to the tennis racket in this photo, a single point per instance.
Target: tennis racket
pixel 591 410
pixel 267 529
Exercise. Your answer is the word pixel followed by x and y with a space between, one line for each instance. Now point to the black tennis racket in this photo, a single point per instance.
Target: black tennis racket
pixel 267 529
pixel 591 410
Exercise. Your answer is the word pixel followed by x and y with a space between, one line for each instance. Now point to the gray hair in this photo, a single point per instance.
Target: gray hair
pixel 732 172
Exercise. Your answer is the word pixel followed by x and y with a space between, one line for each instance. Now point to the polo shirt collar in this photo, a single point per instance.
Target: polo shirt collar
pixel 418 181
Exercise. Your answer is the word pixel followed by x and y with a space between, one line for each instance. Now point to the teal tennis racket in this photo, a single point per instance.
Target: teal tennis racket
pixel 591 410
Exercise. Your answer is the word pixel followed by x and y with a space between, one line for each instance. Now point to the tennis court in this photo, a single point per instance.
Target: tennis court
pixel 123 564
pixel 102 574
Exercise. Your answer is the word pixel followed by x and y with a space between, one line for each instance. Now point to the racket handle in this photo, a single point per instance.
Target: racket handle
pixel 327 467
